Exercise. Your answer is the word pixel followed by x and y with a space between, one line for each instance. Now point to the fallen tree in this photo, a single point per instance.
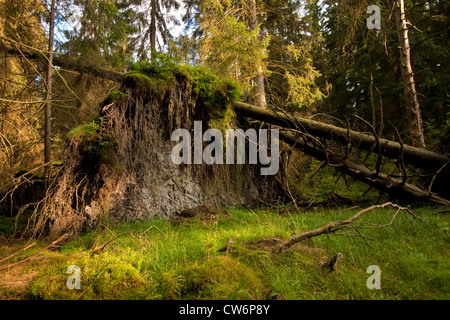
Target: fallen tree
pixel 421 158
pixel 418 157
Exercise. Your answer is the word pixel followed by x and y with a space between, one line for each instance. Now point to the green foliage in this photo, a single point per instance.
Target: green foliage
pixel 231 47
pixel 352 58
pixel 117 95
pixel 107 32
pixel 292 81
pixel 189 260
pixel 438 133
pixel 85 131
pixel 214 93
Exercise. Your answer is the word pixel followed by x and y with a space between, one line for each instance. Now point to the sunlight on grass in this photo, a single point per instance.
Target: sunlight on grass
pixel 222 258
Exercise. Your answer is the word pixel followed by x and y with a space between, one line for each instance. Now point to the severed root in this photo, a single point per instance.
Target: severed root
pixel 334 226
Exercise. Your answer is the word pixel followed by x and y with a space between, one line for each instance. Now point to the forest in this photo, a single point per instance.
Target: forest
pixel 224 150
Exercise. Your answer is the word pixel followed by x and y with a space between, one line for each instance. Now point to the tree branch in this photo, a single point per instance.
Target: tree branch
pixel 334 226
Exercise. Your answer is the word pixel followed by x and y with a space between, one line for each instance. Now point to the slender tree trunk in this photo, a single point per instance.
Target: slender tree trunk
pixel 412 104
pixel 48 104
pixel 259 89
pixel 153 30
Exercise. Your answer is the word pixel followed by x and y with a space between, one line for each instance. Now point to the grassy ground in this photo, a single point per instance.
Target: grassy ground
pixel 225 256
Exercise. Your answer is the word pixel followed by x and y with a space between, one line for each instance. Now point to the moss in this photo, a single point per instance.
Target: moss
pixel 220 277
pixel 95 141
pixel 85 131
pixel 117 95
pixel 100 278
pixel 215 95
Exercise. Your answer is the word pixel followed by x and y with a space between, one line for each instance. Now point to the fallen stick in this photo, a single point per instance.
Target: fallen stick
pixel 12 255
pixel 36 254
pixel 332 227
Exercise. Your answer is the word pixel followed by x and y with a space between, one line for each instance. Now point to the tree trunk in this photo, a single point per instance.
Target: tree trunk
pixel 412 104
pixel 48 104
pixel 153 30
pixel 419 157
pixel 259 92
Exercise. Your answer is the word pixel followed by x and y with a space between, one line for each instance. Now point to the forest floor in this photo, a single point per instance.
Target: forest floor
pixel 227 256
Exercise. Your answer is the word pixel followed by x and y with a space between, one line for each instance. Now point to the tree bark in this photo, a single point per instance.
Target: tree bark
pixel 412 104
pixel 48 104
pixel 153 30
pixel 419 157
pixel 259 92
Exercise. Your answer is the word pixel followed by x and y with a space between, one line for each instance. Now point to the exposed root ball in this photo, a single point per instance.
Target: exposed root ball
pixel 120 167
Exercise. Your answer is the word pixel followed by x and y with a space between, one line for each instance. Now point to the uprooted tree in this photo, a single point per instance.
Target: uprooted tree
pixel 144 112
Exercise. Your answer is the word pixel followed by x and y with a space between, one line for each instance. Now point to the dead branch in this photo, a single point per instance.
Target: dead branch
pixel 349 140
pixel 400 155
pixel 435 175
pixel 36 254
pixel 334 226
pixel 15 253
pixel 377 145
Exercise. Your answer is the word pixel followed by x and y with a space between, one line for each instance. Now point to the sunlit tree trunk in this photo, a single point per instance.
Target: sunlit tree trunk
pixel 259 89
pixel 153 29
pixel 412 104
pixel 48 104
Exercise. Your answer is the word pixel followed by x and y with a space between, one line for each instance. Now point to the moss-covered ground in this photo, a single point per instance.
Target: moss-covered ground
pixel 226 256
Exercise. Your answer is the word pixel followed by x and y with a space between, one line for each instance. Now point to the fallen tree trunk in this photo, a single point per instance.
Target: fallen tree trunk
pixel 61 61
pixel 394 187
pixel 418 157
pixel 425 159
pixel 421 158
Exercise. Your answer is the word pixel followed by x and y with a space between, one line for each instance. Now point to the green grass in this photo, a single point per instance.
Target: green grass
pixel 188 259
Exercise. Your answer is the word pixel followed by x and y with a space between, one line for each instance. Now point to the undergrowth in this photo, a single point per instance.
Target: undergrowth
pixel 227 257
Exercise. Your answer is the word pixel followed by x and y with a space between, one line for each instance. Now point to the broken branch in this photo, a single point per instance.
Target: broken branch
pixel 334 226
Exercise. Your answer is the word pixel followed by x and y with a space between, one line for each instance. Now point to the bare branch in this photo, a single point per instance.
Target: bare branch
pixel 334 226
